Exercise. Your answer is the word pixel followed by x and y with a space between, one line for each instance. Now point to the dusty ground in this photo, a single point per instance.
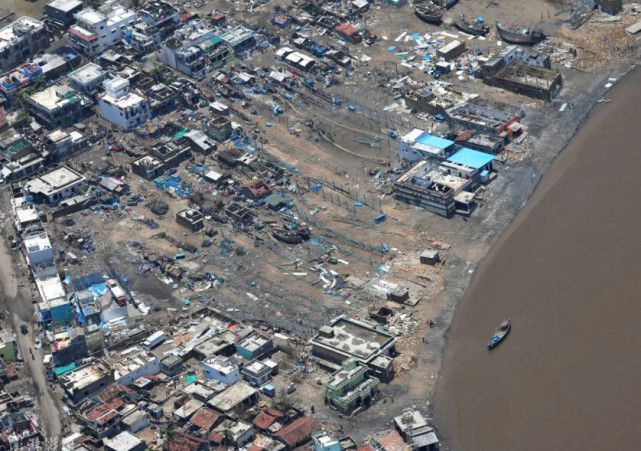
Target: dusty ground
pixel 298 303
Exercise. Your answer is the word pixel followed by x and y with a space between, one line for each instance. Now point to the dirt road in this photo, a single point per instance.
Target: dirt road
pixel 17 301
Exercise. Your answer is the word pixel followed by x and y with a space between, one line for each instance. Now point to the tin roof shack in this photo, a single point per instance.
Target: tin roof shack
pixel 235 399
pixel 347 338
pixel 86 381
pixel 218 128
pixel 451 50
pixel 148 167
pixel 295 59
pixel 419 145
pixel 191 218
pixel 57 106
pixel 63 10
pixel 413 427
pixel 350 388
pixel 125 441
pixel 528 80
pixel 430 186
pixel 254 346
pixel 20 40
pixel 492 118
pixel 298 432
pixel 54 186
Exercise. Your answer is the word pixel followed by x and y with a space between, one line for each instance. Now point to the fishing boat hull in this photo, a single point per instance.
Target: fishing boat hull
pixel 462 24
pixel 527 36
pixel 429 13
pixel 499 335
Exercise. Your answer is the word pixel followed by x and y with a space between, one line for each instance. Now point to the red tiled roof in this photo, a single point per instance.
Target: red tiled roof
pixel 393 442
pixel 217 437
pixel 346 29
pixel 205 418
pixel 183 441
pixel 299 431
pixel 113 391
pixel 267 417
pixel 79 35
pixel 105 412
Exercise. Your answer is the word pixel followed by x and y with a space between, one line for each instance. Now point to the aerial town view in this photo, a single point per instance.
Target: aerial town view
pixel 319 224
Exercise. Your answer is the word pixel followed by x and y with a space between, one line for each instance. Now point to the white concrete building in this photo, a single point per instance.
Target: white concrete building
pixel 133 363
pixel 221 369
pixel 54 186
pixel 87 78
pixel 94 31
pixel 38 249
pixel 121 107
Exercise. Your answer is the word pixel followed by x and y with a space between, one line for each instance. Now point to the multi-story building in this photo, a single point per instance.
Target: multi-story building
pixel 20 40
pixel 57 106
pixel 350 387
pixel 194 50
pixel 161 15
pixel 63 10
pixel 56 185
pixel 95 31
pixel 221 369
pixel 122 107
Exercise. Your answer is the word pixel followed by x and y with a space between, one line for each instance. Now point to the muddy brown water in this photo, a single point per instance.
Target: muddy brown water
pixel 568 274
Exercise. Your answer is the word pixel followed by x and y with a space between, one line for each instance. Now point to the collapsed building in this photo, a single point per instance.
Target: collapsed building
pixel 528 80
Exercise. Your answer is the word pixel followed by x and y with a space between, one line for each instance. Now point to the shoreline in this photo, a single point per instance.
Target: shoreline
pixel 543 157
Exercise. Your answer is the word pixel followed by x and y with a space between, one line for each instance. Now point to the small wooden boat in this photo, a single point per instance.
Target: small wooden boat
pixel 523 36
pixel 429 12
pixel 475 28
pixel 500 334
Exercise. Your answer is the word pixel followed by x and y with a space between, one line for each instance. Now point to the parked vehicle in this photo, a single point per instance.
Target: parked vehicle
pixel 116 291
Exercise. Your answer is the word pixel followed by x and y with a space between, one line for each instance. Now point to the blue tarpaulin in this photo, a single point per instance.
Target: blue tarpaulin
pixel 98 289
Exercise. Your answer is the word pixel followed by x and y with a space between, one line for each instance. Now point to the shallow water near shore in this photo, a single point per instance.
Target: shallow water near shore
pixel 567 273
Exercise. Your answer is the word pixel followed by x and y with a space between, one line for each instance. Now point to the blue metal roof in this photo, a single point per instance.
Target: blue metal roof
pixel 471 158
pixel 434 141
